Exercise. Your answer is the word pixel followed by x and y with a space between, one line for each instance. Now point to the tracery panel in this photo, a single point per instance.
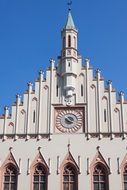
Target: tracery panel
pixel 39 178
pixel 69 178
pixel 10 178
pixel 100 178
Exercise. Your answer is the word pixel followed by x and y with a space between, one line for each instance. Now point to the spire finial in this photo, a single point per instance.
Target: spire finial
pixel 10 149
pixel 69 145
pixel 69 5
pixel 39 148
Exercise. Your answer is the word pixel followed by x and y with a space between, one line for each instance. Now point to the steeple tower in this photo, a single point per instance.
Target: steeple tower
pixel 69 57
pixel 69 38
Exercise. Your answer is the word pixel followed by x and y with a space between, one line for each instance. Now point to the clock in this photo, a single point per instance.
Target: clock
pixel 69 120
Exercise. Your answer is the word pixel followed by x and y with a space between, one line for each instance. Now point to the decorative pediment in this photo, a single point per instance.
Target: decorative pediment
pixel 10 160
pixel 39 159
pixel 70 160
pixel 99 159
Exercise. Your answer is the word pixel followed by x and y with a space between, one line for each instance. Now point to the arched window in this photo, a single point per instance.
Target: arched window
pixel 40 178
pixel 57 90
pixel 69 178
pixel 105 115
pixel 74 42
pixel 81 89
pixel 125 178
pixel 100 178
pixel 69 41
pixel 63 42
pixel 10 178
pixel 34 116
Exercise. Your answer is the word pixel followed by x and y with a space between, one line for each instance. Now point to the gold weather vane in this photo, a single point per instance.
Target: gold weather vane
pixel 69 5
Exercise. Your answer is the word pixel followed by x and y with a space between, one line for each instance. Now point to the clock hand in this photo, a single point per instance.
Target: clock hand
pixel 68 119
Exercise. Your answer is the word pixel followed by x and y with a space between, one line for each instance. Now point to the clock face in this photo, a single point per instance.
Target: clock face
pixel 69 120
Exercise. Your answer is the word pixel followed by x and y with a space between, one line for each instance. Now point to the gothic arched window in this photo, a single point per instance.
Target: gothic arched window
pixel 105 115
pixel 63 42
pixel 34 116
pixel 125 178
pixel 100 178
pixel 70 178
pixel 57 90
pixel 74 42
pixel 10 178
pixel 69 41
pixel 40 178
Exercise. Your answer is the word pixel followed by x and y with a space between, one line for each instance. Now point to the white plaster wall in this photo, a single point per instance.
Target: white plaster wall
pixel 91 96
pixel 81 147
pixel 1 125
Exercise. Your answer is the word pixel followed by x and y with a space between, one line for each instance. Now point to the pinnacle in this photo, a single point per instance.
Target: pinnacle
pixel 70 23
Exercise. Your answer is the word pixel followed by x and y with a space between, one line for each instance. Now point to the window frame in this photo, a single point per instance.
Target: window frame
pixel 10 174
pixel 40 177
pixel 69 41
pixel 105 174
pixel 74 42
pixel 70 176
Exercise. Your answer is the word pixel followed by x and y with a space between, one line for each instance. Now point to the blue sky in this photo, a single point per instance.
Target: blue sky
pixel 30 36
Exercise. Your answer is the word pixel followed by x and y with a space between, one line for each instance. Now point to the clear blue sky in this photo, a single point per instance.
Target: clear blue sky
pixel 30 36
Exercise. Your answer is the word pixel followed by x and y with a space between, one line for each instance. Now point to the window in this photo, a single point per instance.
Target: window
pixel 125 178
pixel 10 178
pixel 40 178
pixel 69 178
pixel 81 89
pixel 74 42
pixel 100 177
pixel 57 90
pixel 34 116
pixel 105 118
pixel 69 41
pixel 69 64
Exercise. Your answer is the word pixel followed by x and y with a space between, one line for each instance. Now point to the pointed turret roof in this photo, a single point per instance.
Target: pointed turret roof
pixel 69 23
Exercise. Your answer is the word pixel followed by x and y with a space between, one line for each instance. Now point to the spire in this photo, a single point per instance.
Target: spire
pixel 69 23
pixel 69 58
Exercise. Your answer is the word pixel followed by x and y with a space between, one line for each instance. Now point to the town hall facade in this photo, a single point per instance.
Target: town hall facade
pixel 68 131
